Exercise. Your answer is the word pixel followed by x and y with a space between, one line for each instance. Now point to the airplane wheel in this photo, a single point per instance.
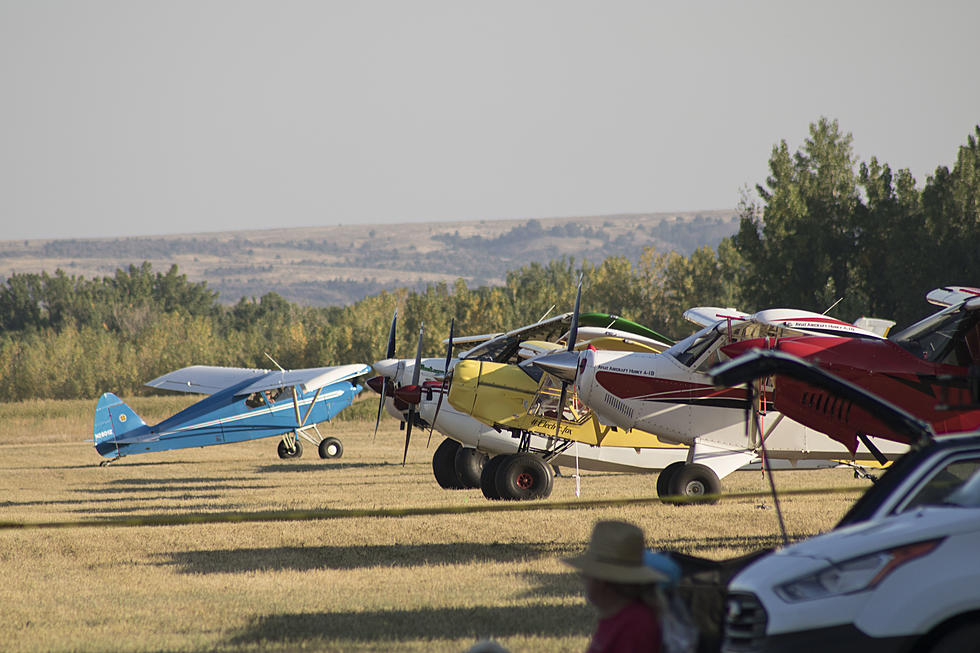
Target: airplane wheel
pixel 524 477
pixel 284 452
pixel 444 465
pixel 694 480
pixel 469 465
pixel 331 448
pixel 663 479
pixel 488 477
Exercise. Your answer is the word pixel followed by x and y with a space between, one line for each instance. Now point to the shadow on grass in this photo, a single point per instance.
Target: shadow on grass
pixel 545 585
pixel 164 486
pixel 396 626
pixel 352 557
pixel 182 508
pixel 705 544
pixel 323 465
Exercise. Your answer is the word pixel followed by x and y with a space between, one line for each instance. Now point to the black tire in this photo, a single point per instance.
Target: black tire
pixel 663 479
pixel 331 448
pixel 963 639
pixel 444 465
pixel 286 453
pixel 488 477
pixel 694 480
pixel 524 477
pixel 469 465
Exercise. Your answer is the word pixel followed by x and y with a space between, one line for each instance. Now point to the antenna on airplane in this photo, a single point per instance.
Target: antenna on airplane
pixel 839 300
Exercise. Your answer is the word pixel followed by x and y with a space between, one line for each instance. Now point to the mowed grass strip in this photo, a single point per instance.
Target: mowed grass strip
pixel 434 582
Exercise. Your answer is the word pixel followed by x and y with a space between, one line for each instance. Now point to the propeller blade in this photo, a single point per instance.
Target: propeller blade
pixel 415 381
pixel 446 380
pixel 572 337
pixel 573 329
pixel 389 353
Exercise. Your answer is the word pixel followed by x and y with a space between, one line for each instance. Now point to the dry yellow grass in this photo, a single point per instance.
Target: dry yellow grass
pixel 427 582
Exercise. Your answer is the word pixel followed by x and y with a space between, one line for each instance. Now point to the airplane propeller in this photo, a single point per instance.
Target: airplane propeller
pixel 383 381
pixel 570 349
pixel 447 380
pixel 413 392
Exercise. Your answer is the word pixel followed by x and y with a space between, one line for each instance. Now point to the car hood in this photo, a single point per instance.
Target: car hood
pixel 916 525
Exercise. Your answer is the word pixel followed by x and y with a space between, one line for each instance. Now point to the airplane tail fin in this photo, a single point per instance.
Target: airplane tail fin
pixel 113 419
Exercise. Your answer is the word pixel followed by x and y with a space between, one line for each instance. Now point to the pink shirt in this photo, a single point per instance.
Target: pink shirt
pixel 631 630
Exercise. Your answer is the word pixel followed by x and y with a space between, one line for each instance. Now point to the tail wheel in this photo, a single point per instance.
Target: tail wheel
pixel 663 479
pixel 331 448
pixel 286 452
pixel 694 480
pixel 444 465
pixel 524 477
pixel 469 464
pixel 488 477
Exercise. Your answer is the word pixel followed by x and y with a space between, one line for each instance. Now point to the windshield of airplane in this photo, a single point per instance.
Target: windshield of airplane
pixel 688 350
pixel 504 349
pixel 950 337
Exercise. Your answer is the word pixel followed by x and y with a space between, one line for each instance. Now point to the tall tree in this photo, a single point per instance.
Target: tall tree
pixel 797 252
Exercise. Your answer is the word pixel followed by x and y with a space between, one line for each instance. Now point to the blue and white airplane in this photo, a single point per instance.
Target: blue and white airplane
pixel 244 404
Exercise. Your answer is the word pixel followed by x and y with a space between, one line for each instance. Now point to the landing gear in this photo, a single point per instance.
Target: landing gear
pixel 287 451
pixel 469 465
pixel 517 477
pixel 690 480
pixel 330 448
pixel 663 480
pixel 444 465
pixel 524 476
pixel 488 478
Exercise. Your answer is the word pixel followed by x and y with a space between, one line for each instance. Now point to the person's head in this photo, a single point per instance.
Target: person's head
pixel 613 564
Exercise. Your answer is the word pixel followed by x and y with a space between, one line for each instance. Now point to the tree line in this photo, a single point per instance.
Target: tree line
pixel 823 227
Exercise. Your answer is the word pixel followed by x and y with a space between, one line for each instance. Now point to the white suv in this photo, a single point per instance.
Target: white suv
pixel 901 573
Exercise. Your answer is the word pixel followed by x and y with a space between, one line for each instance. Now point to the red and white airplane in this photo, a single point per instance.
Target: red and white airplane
pixel 672 394
pixel 931 369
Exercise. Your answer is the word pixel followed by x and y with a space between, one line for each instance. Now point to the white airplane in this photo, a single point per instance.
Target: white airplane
pixel 671 394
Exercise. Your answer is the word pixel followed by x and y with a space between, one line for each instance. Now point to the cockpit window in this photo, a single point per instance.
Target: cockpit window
pixel 504 349
pixel 688 350
pixel 950 337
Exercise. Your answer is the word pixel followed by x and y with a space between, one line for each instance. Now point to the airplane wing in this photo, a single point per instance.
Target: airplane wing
pixel 207 379
pixel 811 323
pixel 950 295
pixel 708 315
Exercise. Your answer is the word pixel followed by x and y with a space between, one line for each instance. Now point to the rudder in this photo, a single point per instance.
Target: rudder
pixel 113 419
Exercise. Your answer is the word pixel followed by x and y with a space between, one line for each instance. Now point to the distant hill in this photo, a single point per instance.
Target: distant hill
pixel 338 265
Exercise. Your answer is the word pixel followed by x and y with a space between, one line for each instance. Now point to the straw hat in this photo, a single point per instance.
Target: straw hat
pixel 615 554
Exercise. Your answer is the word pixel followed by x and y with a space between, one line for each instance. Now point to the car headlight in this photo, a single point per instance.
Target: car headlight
pixel 855 575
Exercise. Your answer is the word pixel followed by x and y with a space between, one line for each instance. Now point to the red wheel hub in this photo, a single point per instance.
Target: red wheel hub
pixel 525 481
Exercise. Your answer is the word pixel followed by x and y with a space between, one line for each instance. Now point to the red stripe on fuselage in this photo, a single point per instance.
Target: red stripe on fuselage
pixel 631 386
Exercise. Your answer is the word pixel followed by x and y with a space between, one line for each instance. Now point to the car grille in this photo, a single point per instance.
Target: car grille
pixel 745 624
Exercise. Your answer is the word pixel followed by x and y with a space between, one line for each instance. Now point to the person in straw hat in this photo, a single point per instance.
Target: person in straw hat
pixel 618 584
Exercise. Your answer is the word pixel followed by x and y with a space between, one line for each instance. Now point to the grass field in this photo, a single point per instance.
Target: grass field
pixel 426 582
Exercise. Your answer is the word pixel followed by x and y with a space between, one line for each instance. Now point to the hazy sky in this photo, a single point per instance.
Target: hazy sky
pixel 136 118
